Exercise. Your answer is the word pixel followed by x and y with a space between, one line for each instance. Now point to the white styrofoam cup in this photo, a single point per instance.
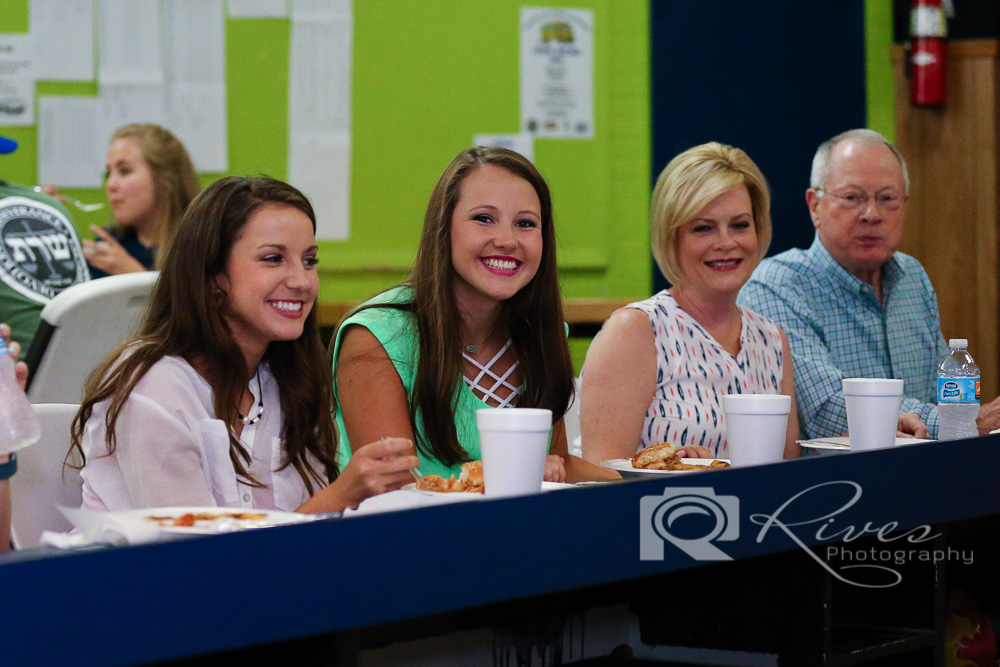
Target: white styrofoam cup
pixel 756 425
pixel 872 411
pixel 513 443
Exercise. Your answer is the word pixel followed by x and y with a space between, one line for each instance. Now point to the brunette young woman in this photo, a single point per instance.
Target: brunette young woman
pixel 477 324
pixel 224 398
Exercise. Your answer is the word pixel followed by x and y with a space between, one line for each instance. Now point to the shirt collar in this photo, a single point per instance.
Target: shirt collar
pixel 892 271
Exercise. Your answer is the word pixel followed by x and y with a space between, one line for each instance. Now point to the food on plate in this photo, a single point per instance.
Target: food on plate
pixel 657 457
pixel 716 463
pixel 470 481
pixel 188 520
pixel 664 457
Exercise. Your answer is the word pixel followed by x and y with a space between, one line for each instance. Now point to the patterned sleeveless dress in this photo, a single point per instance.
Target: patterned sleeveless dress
pixel 693 372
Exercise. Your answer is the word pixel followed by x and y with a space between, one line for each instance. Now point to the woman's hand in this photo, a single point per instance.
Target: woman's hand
pixel 380 466
pixel 695 452
pixel 14 351
pixel 108 255
pixel 555 469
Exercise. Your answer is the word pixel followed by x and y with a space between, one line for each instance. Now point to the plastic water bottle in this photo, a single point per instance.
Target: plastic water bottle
pixel 958 392
pixel 18 423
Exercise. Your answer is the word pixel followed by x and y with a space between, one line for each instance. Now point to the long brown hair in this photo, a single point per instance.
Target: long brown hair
pixel 533 315
pixel 186 318
pixel 174 178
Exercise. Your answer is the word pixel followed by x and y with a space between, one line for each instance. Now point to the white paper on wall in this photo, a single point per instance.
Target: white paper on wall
pixel 17 80
pixel 257 9
pixel 124 103
pixel 320 81
pixel 129 42
pixel 322 10
pixel 521 143
pixel 319 164
pixel 197 116
pixel 63 32
pixel 194 40
pixel 319 128
pixel 70 147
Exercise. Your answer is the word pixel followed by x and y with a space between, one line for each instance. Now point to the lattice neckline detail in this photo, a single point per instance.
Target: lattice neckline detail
pixel 485 373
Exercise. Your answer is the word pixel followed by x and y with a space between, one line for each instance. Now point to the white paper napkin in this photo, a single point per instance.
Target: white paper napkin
pixel 93 527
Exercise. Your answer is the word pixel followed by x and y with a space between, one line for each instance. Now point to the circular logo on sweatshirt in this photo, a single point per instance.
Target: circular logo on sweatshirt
pixel 40 255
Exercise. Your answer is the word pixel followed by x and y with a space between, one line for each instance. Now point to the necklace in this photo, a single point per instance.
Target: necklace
pixel 249 421
pixel 472 347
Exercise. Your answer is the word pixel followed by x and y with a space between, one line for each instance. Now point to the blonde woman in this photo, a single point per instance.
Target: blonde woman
pixel 658 369
pixel 149 182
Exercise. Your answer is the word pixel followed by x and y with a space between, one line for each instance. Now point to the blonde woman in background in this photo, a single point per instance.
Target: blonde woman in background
pixel 658 369
pixel 149 182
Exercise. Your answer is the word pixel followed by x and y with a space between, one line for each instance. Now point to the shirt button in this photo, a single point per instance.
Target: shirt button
pixel 246 497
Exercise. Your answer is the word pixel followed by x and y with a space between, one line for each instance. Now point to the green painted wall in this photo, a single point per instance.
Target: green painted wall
pixel 880 83
pixel 424 83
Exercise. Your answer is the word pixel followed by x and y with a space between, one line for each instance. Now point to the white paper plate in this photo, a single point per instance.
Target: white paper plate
pixel 625 469
pixel 224 524
pixel 472 495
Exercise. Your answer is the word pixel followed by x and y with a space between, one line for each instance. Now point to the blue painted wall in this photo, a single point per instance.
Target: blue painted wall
pixel 774 78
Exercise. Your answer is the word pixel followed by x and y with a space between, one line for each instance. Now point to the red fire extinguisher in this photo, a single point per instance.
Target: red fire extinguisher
pixel 928 31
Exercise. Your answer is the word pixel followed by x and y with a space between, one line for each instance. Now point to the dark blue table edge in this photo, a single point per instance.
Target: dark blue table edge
pixel 191 597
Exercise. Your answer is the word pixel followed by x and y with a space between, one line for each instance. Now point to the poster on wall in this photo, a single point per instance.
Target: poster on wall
pixel 557 73
pixel 17 81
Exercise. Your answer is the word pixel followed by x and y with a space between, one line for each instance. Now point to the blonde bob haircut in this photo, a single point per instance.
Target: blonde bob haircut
pixel 689 183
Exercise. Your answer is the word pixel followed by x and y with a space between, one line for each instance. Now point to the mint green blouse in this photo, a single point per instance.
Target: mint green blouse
pixel 396 330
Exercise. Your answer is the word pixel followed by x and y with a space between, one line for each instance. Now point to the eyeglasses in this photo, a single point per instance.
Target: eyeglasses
pixel 855 200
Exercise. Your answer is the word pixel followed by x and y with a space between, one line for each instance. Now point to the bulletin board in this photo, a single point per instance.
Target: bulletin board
pixel 425 79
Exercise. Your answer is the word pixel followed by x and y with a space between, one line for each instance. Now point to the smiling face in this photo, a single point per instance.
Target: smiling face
pixel 270 278
pixel 861 238
pixel 718 250
pixel 496 236
pixel 131 185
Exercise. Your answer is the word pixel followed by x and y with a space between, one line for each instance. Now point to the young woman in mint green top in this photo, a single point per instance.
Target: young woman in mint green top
pixel 397 333
pixel 478 323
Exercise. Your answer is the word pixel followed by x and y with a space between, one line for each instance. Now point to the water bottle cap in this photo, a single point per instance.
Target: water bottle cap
pixel 956 343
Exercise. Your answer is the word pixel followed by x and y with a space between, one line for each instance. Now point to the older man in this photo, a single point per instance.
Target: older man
pixel 851 305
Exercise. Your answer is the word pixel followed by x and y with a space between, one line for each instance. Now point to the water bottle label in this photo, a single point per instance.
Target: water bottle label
pixel 958 390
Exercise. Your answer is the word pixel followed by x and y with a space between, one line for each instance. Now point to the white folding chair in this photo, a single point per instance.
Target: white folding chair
pixel 79 327
pixel 42 483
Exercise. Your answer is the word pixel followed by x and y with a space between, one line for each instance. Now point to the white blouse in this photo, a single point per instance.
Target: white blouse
pixel 171 450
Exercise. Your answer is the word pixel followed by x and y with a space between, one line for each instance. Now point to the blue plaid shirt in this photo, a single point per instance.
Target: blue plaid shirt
pixel 836 328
